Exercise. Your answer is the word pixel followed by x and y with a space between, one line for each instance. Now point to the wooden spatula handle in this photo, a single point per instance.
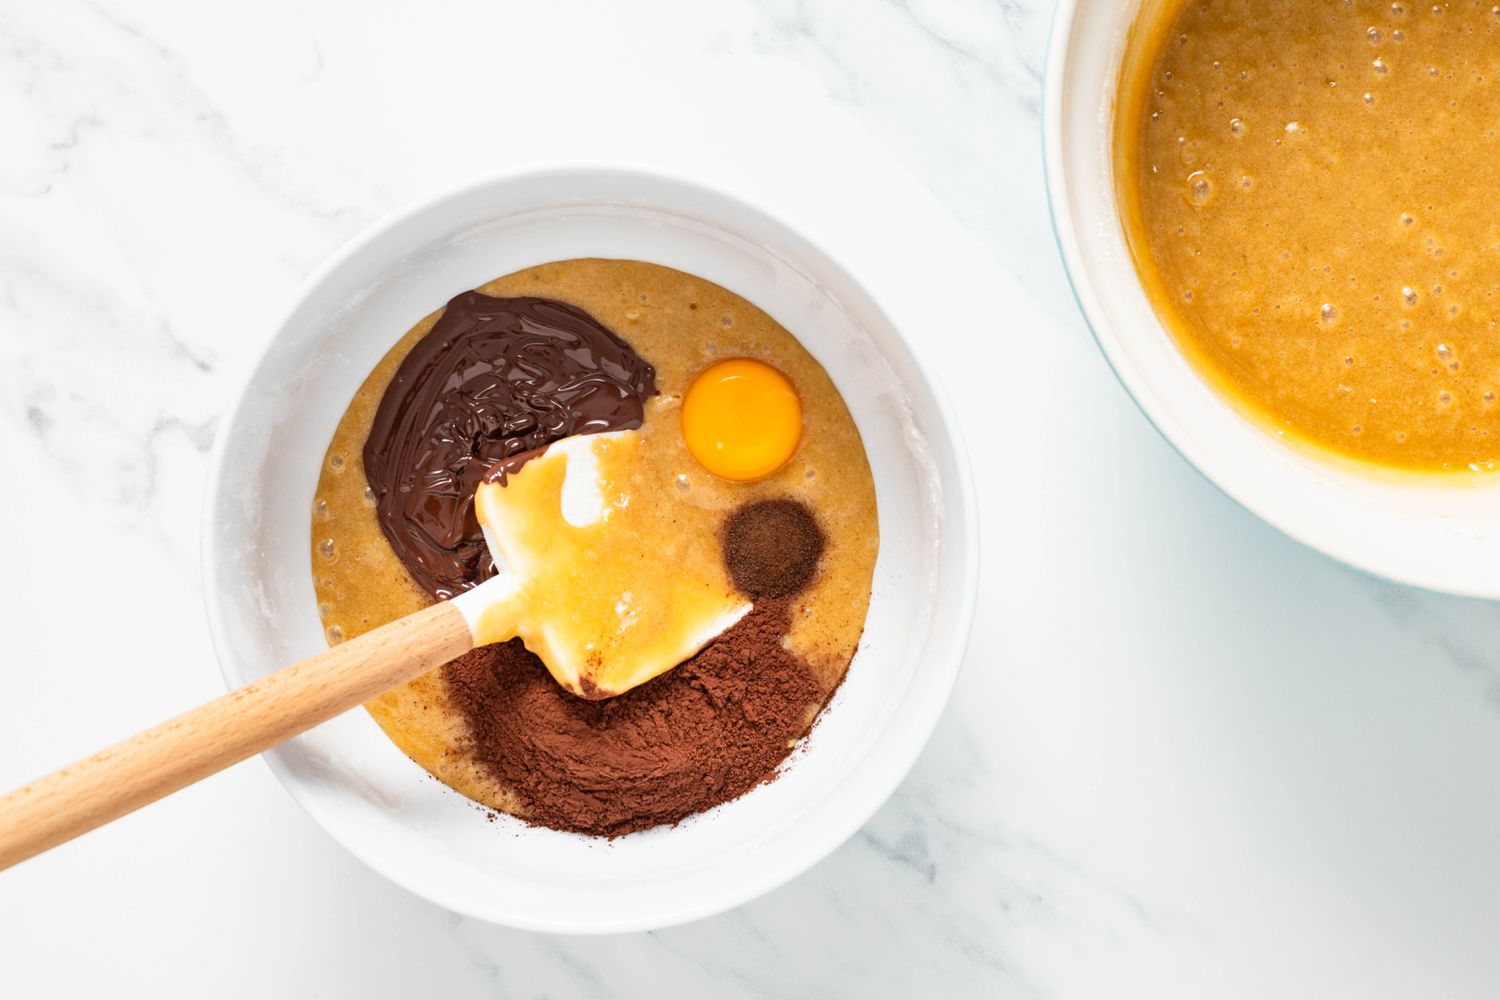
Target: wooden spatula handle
pixel 208 739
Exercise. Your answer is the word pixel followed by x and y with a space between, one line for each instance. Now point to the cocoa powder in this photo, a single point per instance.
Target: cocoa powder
pixel 702 734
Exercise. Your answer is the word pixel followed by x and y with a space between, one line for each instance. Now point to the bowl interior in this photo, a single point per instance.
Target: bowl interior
pixel 1437 532
pixel 380 804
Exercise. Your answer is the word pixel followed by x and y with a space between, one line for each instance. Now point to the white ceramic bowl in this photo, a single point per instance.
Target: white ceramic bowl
pixel 1440 533
pixel 381 805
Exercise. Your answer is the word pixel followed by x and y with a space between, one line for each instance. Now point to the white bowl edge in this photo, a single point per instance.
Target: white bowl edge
pixel 894 759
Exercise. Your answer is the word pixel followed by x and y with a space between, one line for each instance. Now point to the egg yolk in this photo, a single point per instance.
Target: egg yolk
pixel 741 419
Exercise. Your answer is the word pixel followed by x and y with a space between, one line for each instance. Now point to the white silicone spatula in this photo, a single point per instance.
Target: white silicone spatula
pixel 574 615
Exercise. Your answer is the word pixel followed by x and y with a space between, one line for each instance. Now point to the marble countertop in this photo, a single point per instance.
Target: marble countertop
pixel 1187 757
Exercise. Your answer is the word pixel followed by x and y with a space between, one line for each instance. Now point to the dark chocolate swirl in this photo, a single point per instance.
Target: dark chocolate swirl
pixel 495 379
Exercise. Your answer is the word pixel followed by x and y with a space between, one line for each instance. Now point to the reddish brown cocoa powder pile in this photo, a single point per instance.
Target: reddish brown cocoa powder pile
pixel 702 734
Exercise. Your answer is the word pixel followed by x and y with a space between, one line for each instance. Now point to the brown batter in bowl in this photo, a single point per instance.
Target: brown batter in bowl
pixel 755 692
pixel 1306 190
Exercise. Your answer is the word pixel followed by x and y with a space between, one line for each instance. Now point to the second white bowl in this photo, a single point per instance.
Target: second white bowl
pixel 1437 532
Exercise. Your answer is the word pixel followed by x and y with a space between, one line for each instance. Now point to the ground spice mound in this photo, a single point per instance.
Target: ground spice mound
pixel 699 735
pixel 772 547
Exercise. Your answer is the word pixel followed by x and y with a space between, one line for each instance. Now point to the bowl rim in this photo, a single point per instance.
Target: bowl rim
pixel 943 655
pixel 1373 560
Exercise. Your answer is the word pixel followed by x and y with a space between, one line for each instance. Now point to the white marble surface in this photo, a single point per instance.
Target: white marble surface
pixel 1187 757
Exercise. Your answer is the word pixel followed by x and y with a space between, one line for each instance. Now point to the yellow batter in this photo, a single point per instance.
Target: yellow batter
pixel 1307 187
pixel 680 324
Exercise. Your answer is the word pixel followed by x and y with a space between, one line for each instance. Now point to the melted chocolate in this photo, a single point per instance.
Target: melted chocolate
pixel 494 381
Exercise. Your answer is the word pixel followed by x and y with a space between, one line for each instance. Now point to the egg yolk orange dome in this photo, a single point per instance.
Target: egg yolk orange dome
pixel 741 419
